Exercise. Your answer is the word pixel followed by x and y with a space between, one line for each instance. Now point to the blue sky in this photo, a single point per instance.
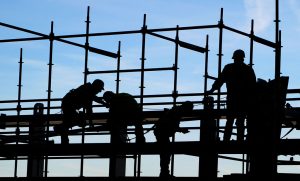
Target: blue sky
pixel 116 15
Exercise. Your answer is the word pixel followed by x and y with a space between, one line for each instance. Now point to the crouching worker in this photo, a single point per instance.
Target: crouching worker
pixel 123 111
pixel 73 101
pixel 165 128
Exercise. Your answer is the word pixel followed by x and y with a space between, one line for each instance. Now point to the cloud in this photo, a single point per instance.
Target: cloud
pixel 262 12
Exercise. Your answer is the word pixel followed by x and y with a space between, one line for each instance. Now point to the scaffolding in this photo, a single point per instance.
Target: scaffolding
pixel 38 149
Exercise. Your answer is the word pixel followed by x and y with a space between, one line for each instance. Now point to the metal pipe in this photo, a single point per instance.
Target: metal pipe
pixel 18 109
pixel 22 39
pixel 144 31
pixel 220 55
pixel 278 44
pixel 251 44
pixel 181 43
pixel 85 77
pixel 206 76
pixel 29 100
pixel 139 31
pixel 131 70
pixel 95 50
pixel 255 38
pixel 51 39
pixel 86 46
pixel 118 69
pixel 175 92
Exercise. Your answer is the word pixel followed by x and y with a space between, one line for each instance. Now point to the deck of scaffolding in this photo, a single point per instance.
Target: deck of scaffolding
pixel 37 147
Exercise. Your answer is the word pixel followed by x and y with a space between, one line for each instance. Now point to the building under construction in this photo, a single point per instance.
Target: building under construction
pixel 27 140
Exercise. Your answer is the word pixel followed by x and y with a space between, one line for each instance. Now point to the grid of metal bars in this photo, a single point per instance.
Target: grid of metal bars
pixel 144 32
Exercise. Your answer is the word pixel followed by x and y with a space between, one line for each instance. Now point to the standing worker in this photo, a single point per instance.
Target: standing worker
pixel 240 81
pixel 73 101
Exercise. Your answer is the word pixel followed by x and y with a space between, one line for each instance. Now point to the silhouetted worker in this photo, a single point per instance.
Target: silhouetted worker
pixel 240 81
pixel 165 128
pixel 73 101
pixel 123 111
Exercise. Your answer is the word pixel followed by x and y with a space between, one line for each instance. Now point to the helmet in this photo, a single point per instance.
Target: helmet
pixel 108 95
pixel 187 106
pixel 98 84
pixel 238 54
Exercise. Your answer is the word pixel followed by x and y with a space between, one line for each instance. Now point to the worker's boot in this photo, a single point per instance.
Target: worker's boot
pixel 165 174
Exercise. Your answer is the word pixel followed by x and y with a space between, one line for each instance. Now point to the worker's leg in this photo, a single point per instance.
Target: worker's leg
pixel 62 130
pixel 139 133
pixel 64 136
pixel 228 128
pixel 240 127
pixel 165 156
pixel 69 115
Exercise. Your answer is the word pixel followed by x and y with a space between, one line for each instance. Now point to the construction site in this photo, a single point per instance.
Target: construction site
pixel 29 143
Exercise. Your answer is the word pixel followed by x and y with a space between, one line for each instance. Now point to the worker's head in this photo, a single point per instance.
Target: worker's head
pixel 98 85
pixel 238 56
pixel 187 106
pixel 108 95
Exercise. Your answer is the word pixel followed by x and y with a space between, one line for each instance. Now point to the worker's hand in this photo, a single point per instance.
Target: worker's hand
pixel 184 130
pixel 91 124
pixel 106 105
pixel 209 91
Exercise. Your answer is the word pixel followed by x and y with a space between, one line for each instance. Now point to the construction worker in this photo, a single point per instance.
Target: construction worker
pixel 73 101
pixel 166 127
pixel 123 111
pixel 240 81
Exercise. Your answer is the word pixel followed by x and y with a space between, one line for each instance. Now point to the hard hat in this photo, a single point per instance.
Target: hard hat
pixel 99 84
pixel 108 95
pixel 238 54
pixel 187 106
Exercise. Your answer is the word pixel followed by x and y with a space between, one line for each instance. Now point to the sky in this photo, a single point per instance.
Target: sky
pixel 69 16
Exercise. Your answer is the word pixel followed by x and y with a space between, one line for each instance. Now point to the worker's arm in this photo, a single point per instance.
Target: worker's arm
pixel 220 80
pixel 183 130
pixel 89 112
pixel 100 100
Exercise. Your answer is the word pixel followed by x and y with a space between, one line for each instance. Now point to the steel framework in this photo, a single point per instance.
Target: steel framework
pixel 36 147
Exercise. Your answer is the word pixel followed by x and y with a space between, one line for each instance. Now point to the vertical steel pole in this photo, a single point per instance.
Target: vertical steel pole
pixel 220 55
pixel 277 124
pixel 87 45
pixel 85 79
pixel 251 43
pixel 277 49
pixel 51 39
pixel 206 66
pixel 144 32
pixel 251 65
pixel 175 92
pixel 118 68
pixel 18 108
pixel 20 86
pixel 35 163
pixel 205 95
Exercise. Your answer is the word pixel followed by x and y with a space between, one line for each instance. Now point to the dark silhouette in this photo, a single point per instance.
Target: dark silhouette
pixel 123 111
pixel 264 126
pixel 240 81
pixel 73 101
pixel 166 127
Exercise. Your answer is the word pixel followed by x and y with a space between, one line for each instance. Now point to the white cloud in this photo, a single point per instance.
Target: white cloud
pixel 262 12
